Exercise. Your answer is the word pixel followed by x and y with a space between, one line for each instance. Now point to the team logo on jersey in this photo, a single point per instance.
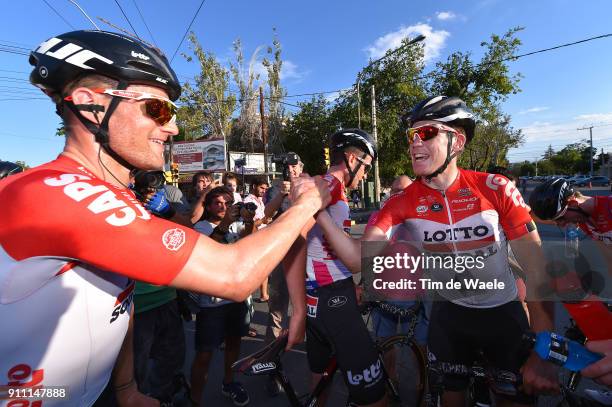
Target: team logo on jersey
pixel 464 192
pixel 173 239
pixel 106 202
pixel 436 207
pixel 337 301
pixel 464 200
pixel 311 306
pixel 460 233
pixel 495 181
pixel 421 208
pixel 123 303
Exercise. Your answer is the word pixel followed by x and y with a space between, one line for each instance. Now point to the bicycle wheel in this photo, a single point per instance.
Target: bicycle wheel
pixel 406 369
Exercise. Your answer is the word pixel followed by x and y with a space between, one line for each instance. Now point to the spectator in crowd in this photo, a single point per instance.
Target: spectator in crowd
pixel 158 330
pixel 259 185
pixel 278 304
pixel 230 181
pixel 201 183
pixel 220 320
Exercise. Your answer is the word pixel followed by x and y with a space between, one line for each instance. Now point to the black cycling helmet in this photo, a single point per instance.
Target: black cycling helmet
pixel 448 110
pixel 548 201
pixel 68 56
pixel 62 59
pixel 355 138
pixel 8 168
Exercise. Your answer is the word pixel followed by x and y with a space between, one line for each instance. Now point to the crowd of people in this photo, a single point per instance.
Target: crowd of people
pixel 78 235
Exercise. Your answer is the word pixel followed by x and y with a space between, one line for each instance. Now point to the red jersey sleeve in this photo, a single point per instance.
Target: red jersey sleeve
pixel 391 214
pixel 508 201
pixel 71 214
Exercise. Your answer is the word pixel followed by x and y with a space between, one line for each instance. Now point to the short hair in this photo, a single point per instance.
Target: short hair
pixel 229 175
pixel 197 175
pixel 337 156
pixel 214 193
pixel 83 81
pixel 257 181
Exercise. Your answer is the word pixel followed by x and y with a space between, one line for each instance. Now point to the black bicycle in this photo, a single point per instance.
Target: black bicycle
pixel 407 388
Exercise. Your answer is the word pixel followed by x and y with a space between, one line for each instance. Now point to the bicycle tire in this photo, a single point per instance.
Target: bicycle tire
pixel 410 366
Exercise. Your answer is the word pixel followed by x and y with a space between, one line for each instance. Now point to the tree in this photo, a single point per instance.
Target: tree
pixel 207 104
pixel 246 131
pixel 549 153
pixel 307 132
pixel 483 86
pixel 399 85
pixel 276 94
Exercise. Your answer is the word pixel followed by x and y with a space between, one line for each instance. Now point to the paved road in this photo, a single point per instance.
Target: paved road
pixel 295 361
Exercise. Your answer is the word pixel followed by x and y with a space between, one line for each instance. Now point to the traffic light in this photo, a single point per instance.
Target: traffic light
pixel 174 168
pixel 326 151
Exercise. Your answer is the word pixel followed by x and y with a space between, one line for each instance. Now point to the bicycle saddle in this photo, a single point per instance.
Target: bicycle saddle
pixel 264 361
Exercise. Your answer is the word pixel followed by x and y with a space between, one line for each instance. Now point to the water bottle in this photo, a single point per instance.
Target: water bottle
pixel 563 352
pixel 572 241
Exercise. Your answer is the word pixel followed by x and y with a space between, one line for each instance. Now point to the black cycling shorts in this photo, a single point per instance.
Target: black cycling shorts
pixel 458 334
pixel 335 327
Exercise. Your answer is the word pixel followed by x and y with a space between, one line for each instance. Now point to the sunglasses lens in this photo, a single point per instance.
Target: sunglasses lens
pixel 425 133
pixel 161 111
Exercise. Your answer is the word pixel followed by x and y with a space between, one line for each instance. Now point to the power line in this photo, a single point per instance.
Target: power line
pixel 187 30
pixel 126 18
pixel 59 15
pixel 145 23
pixel 10 51
pixel 9 78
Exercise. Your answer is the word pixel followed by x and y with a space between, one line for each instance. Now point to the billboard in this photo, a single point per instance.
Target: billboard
pixel 199 155
pixel 250 163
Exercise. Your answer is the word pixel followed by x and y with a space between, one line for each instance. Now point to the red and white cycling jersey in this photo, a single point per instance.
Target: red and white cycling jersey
pixel 601 227
pixel 70 244
pixel 322 265
pixel 478 210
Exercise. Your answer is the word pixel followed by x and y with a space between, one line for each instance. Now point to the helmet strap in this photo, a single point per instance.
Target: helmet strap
pixel 449 157
pixel 353 172
pixel 100 129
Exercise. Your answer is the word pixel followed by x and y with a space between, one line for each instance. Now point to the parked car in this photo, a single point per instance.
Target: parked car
pixel 577 178
pixel 597 181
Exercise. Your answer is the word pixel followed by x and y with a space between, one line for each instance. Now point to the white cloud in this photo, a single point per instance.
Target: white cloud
pixel 445 15
pixel 434 41
pixel 289 70
pixel 534 109
pixel 539 135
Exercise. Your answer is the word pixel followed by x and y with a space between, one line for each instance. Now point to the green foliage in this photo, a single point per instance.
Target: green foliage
pixel 276 94
pixel 207 105
pixel 483 86
pixel 246 128
pixel 307 132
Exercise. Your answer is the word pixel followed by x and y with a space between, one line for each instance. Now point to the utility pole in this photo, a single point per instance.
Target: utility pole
pixel 374 134
pixel 264 129
pixel 591 150
pixel 536 163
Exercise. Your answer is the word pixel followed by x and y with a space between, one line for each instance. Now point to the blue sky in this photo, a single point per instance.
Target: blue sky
pixel 325 43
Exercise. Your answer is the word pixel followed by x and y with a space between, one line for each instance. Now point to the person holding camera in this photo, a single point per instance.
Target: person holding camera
pixel 202 183
pixel 230 181
pixel 220 320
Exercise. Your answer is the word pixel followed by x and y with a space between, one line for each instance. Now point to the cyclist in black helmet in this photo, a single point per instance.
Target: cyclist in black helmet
pixel 557 201
pixel 455 211
pixel 67 269
pixel 8 168
pixel 333 320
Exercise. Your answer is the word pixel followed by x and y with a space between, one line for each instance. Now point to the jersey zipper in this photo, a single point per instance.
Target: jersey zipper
pixel 450 220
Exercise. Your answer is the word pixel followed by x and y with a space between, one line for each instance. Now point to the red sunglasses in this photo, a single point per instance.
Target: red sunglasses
pixel 427 132
pixel 161 110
